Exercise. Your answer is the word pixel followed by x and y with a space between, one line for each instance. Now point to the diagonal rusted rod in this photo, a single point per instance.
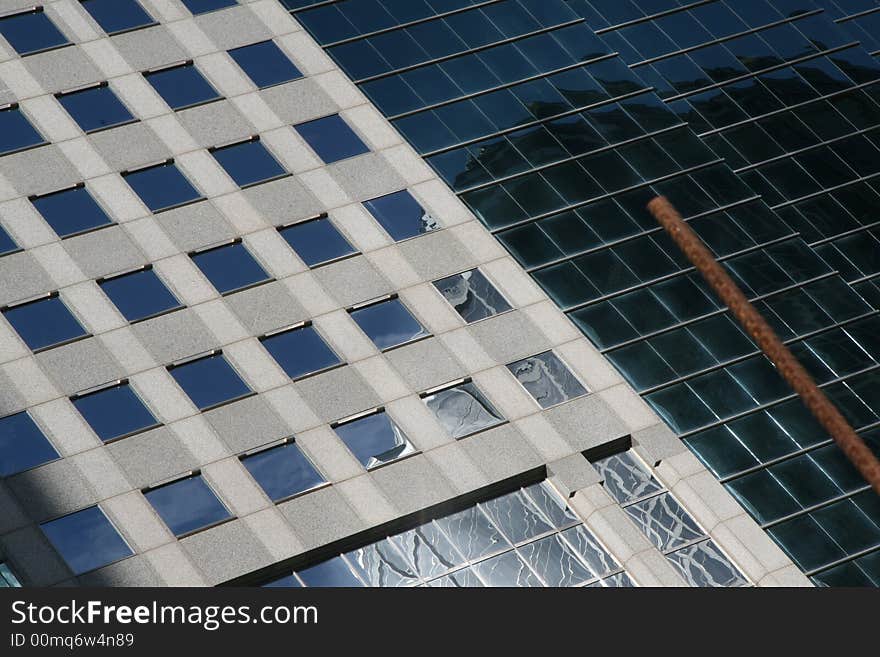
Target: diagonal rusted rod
pixel 757 327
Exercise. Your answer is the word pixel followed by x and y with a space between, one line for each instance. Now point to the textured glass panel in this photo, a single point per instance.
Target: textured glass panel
pixel 139 295
pixel 300 352
pixel 332 139
pixel 704 565
pixel 115 412
pixel 375 440
pixel 463 410
pixel 7 577
pixel 428 549
pixel 182 86
pixel 70 212
pixel 282 471
pixel 332 573
pixel 664 522
pixel 96 108
pixel 517 516
pixel 625 478
pixel 380 564
pixel 117 15
pixel 230 268
pixel 551 503
pixel 210 381
pixel 555 562
pixel 22 445
pixel 317 242
pixel 44 323
pixel 618 581
pixel 506 570
pixel 600 562
pixel 465 578
pixel 86 540
pixel 388 324
pixel 547 379
pixel 265 64
pixel 472 534
pixel 187 505
pixel 472 295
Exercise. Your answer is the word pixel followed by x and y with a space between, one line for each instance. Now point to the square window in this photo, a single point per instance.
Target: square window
pixel 230 268
pixel 22 445
pixel 86 540
pixel 265 64
pixel 317 242
pixel 31 32
pixel 301 352
pixel 139 295
pixel 44 323
pixel 16 132
pixel 463 410
pixel 204 6
pixel 248 163
pixel 331 139
pixel 472 295
pixel 283 471
pixel 116 16
pixel 182 86
pixel 95 108
pixel 71 211
pixel 388 324
pixel 114 412
pixel 401 215
pixel 187 505
pixel 547 379
pixel 210 381
pixel 161 187
pixel 7 244
pixel 375 440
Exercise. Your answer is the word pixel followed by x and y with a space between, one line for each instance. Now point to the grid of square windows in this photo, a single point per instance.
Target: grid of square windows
pixel 528 537
pixel 182 86
pixel 44 323
pixel 71 211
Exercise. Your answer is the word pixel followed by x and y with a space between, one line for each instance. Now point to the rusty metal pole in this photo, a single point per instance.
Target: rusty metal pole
pixel 757 327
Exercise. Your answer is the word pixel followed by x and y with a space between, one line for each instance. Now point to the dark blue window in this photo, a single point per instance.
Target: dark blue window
pixel 265 64
pixel 210 381
pixel 139 295
pixel 286 582
pixel 300 352
pixel 187 505
pixel 332 573
pixel 44 323
pixel 31 32
pixel 282 471
pixel 230 267
pixel 22 445
pixel 16 132
pixel 118 15
pixel 86 540
pixel 96 108
pixel 182 86
pixel 115 412
pixel 71 211
pixel 317 242
pixel 248 163
pixel 331 139
pixel 162 187
pixel 388 324
pixel 401 215
pixel 203 6
pixel 375 440
pixel 7 244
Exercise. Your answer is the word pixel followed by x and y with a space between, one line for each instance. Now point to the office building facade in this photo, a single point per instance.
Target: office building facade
pixel 364 292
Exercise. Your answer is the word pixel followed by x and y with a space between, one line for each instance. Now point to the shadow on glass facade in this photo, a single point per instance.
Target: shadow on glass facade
pixel 557 121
